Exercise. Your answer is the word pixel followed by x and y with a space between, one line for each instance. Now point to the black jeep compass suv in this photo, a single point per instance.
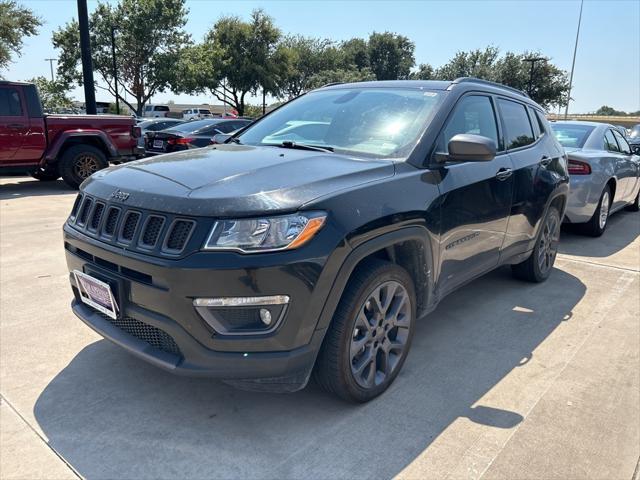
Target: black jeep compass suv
pixel 311 241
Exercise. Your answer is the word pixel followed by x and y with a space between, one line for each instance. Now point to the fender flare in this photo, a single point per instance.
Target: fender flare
pixel 365 249
pixel 58 143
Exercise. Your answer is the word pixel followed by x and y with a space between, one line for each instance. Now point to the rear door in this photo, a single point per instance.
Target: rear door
pixel 476 197
pixel 627 171
pixel 14 124
pixel 535 156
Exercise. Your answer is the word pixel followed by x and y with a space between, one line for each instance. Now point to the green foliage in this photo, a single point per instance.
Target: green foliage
pixel 149 36
pixel 390 55
pixel 340 76
pixel 16 22
pixel 609 111
pixel 424 72
pixel 53 94
pixel 235 58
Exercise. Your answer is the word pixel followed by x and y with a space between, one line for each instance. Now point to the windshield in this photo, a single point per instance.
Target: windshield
pixel 571 135
pixel 191 126
pixel 379 122
pixel 635 132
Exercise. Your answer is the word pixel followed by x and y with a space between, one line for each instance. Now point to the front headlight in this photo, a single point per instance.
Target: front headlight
pixel 252 235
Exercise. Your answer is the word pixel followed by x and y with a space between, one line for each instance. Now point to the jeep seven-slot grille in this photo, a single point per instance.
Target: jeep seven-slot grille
pixel 147 333
pixel 146 231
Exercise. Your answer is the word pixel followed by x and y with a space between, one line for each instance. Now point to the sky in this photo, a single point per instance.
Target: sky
pixel 607 69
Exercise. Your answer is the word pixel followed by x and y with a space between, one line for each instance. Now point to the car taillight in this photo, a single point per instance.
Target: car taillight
pixel 179 141
pixel 576 167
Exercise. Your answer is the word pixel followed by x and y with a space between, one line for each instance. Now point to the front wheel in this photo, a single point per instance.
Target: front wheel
pixel 538 266
pixel 80 162
pixel 369 338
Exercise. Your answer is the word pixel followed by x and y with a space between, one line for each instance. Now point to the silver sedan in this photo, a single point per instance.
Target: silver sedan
pixel 605 174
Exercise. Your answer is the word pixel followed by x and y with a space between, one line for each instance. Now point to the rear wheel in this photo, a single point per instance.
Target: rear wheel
pixel 370 335
pixel 598 223
pixel 538 266
pixel 80 162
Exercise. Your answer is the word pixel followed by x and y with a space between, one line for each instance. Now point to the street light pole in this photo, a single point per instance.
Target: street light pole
pixel 51 60
pixel 533 61
pixel 573 63
pixel 115 68
pixel 87 66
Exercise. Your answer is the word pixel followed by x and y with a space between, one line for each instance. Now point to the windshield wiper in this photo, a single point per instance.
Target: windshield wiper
pixel 304 146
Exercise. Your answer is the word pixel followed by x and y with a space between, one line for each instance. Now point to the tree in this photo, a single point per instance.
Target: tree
pixel 16 22
pixel 475 63
pixel 235 58
pixel 390 56
pixel 425 72
pixel 149 38
pixel 605 110
pixel 355 54
pixel 340 75
pixel 53 94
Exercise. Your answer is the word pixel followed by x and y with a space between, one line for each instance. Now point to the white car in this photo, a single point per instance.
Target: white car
pixel 155 111
pixel 196 114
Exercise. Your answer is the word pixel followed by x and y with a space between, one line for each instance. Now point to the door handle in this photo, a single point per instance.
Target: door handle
pixel 544 161
pixel 15 126
pixel 503 174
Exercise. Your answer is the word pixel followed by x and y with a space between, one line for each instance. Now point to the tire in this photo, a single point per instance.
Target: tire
pixel 596 226
pixel 358 321
pixel 79 162
pixel 635 206
pixel 539 265
pixel 48 175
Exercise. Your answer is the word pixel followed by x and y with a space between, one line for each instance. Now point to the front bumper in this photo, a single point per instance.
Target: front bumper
pixel 159 292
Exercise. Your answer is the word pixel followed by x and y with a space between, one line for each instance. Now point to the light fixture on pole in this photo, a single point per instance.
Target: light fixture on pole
pixel 51 60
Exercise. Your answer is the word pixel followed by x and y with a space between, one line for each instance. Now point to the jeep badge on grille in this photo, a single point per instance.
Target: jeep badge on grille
pixel 120 195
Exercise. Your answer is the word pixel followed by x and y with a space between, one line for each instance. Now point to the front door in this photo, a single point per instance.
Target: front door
pixel 476 198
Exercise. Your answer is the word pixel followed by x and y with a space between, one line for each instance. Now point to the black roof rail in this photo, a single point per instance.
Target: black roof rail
pixel 487 82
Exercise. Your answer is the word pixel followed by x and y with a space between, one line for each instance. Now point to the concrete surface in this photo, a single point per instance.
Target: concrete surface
pixel 505 380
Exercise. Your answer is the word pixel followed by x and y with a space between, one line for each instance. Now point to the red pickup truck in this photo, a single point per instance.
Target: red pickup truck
pixel 48 147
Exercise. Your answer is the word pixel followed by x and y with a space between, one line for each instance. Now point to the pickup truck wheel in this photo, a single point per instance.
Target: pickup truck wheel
pixel 369 338
pixel 49 175
pixel 598 223
pixel 79 162
pixel 538 266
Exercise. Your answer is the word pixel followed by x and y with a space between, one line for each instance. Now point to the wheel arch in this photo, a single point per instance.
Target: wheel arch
pixel 66 140
pixel 408 247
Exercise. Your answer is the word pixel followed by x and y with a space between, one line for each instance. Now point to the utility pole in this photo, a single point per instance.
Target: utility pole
pixel 115 68
pixel 573 63
pixel 51 60
pixel 87 66
pixel 532 61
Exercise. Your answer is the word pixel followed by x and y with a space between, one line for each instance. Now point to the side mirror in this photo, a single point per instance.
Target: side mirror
pixel 220 138
pixel 466 147
pixel 635 149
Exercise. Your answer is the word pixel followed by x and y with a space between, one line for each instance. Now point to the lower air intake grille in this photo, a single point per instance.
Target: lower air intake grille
pixel 179 234
pixel 147 333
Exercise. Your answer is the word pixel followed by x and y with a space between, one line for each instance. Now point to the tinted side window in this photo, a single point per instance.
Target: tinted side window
pixel 516 122
pixel 542 122
pixel 610 142
pixel 622 143
pixel 161 108
pixel 10 105
pixel 473 114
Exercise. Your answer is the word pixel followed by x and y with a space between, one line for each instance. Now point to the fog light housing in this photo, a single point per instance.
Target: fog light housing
pixel 242 315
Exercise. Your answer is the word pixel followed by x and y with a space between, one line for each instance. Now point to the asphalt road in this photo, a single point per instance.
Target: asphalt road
pixel 505 380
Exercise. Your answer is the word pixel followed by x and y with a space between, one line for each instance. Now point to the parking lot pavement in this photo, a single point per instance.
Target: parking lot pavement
pixel 504 380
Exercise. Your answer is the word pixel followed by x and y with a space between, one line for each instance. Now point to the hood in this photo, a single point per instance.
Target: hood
pixel 234 180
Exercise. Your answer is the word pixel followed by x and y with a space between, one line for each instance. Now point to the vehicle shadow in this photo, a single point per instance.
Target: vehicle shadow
pixel 110 415
pixel 623 228
pixel 16 187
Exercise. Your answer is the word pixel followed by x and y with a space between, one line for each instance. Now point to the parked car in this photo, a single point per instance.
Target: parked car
pixel 267 258
pixel 604 173
pixel 634 139
pixel 623 130
pixel 194 134
pixel 196 113
pixel 48 147
pixel 154 125
pixel 155 111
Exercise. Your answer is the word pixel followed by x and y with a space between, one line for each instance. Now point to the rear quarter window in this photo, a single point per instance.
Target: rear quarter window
pixel 10 103
pixel 519 132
